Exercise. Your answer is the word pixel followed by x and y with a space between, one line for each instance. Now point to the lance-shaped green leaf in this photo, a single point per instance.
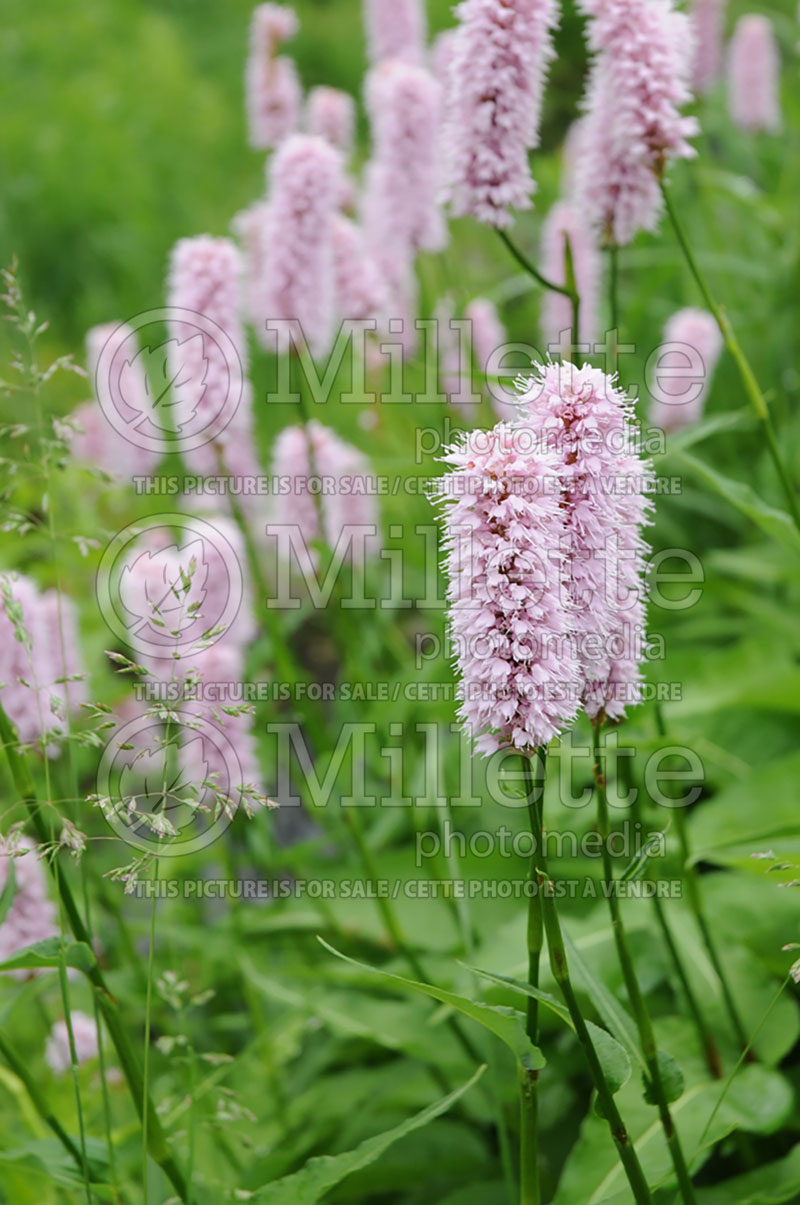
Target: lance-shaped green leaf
pixel 505 1023
pixel 324 1172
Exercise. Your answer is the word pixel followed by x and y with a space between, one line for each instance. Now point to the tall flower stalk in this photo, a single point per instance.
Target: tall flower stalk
pixel 637 1002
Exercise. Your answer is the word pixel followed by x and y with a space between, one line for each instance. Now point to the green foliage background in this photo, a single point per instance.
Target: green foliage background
pixel 123 130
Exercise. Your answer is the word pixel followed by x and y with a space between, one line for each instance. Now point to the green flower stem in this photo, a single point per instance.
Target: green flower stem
pixel 529 1080
pixel 157 1142
pixel 707 1039
pixel 751 386
pixel 696 905
pixel 528 267
pixel 39 1103
pixel 637 1001
pixel 560 969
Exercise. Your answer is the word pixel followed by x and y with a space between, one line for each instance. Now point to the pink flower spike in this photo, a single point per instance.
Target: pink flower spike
pixel 509 612
pixel 57 1053
pixel 205 278
pixel 691 346
pixel 633 126
pixel 396 29
pixel 497 72
pixel 360 292
pixel 297 282
pixel 754 75
pixel 582 416
pixel 331 114
pixel 272 89
pixel 708 18
pixel 32 916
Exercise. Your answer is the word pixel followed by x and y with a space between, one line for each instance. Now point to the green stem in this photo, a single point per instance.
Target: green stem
pixel 572 286
pixel 751 386
pixel 707 1040
pixel 39 1103
pixel 560 969
pixel 157 1142
pixel 148 1009
pixel 613 287
pixel 529 1080
pixel 526 264
pixel 637 1001
pixel 696 905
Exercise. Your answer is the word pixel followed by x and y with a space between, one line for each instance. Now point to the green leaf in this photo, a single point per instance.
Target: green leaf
pixel 769 1184
pixel 776 523
pixel 612 1055
pixel 48 953
pixel 609 1008
pixel 671 1079
pixel 679 441
pixel 505 1023
pixel 9 889
pixel 324 1172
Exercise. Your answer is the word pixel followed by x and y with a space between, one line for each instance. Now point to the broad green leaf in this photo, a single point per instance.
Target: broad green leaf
pixel 671 1078
pixel 776 523
pixel 324 1172
pixel 48 1155
pixel 506 1023
pixel 731 819
pixel 609 1008
pixel 613 1057
pixel 681 440
pixel 48 953
pixel 769 1184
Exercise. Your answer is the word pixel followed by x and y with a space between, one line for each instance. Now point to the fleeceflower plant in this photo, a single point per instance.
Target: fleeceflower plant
pixel 205 278
pixel 272 88
pixel 707 18
pixel 31 915
pixel 331 114
pixel 510 615
pixel 691 345
pixel 395 29
pixel 345 504
pixel 754 75
pixel 633 125
pixel 297 287
pixel 496 78
pixel 587 421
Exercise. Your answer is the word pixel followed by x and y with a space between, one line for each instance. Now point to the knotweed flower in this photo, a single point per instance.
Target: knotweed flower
pixel 754 75
pixel 496 80
pixel 510 616
pixel 691 346
pixel 634 128
pixel 345 501
pixel 488 335
pixel 455 366
pixel 331 114
pixel 565 221
pixel 272 89
pixel 34 662
pixel 57 1053
pixel 587 421
pixel 396 29
pixel 298 286
pixel 207 370
pixel 250 228
pixel 707 18
pixel 120 386
pixel 402 209
pixel 360 291
pixel 31 916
